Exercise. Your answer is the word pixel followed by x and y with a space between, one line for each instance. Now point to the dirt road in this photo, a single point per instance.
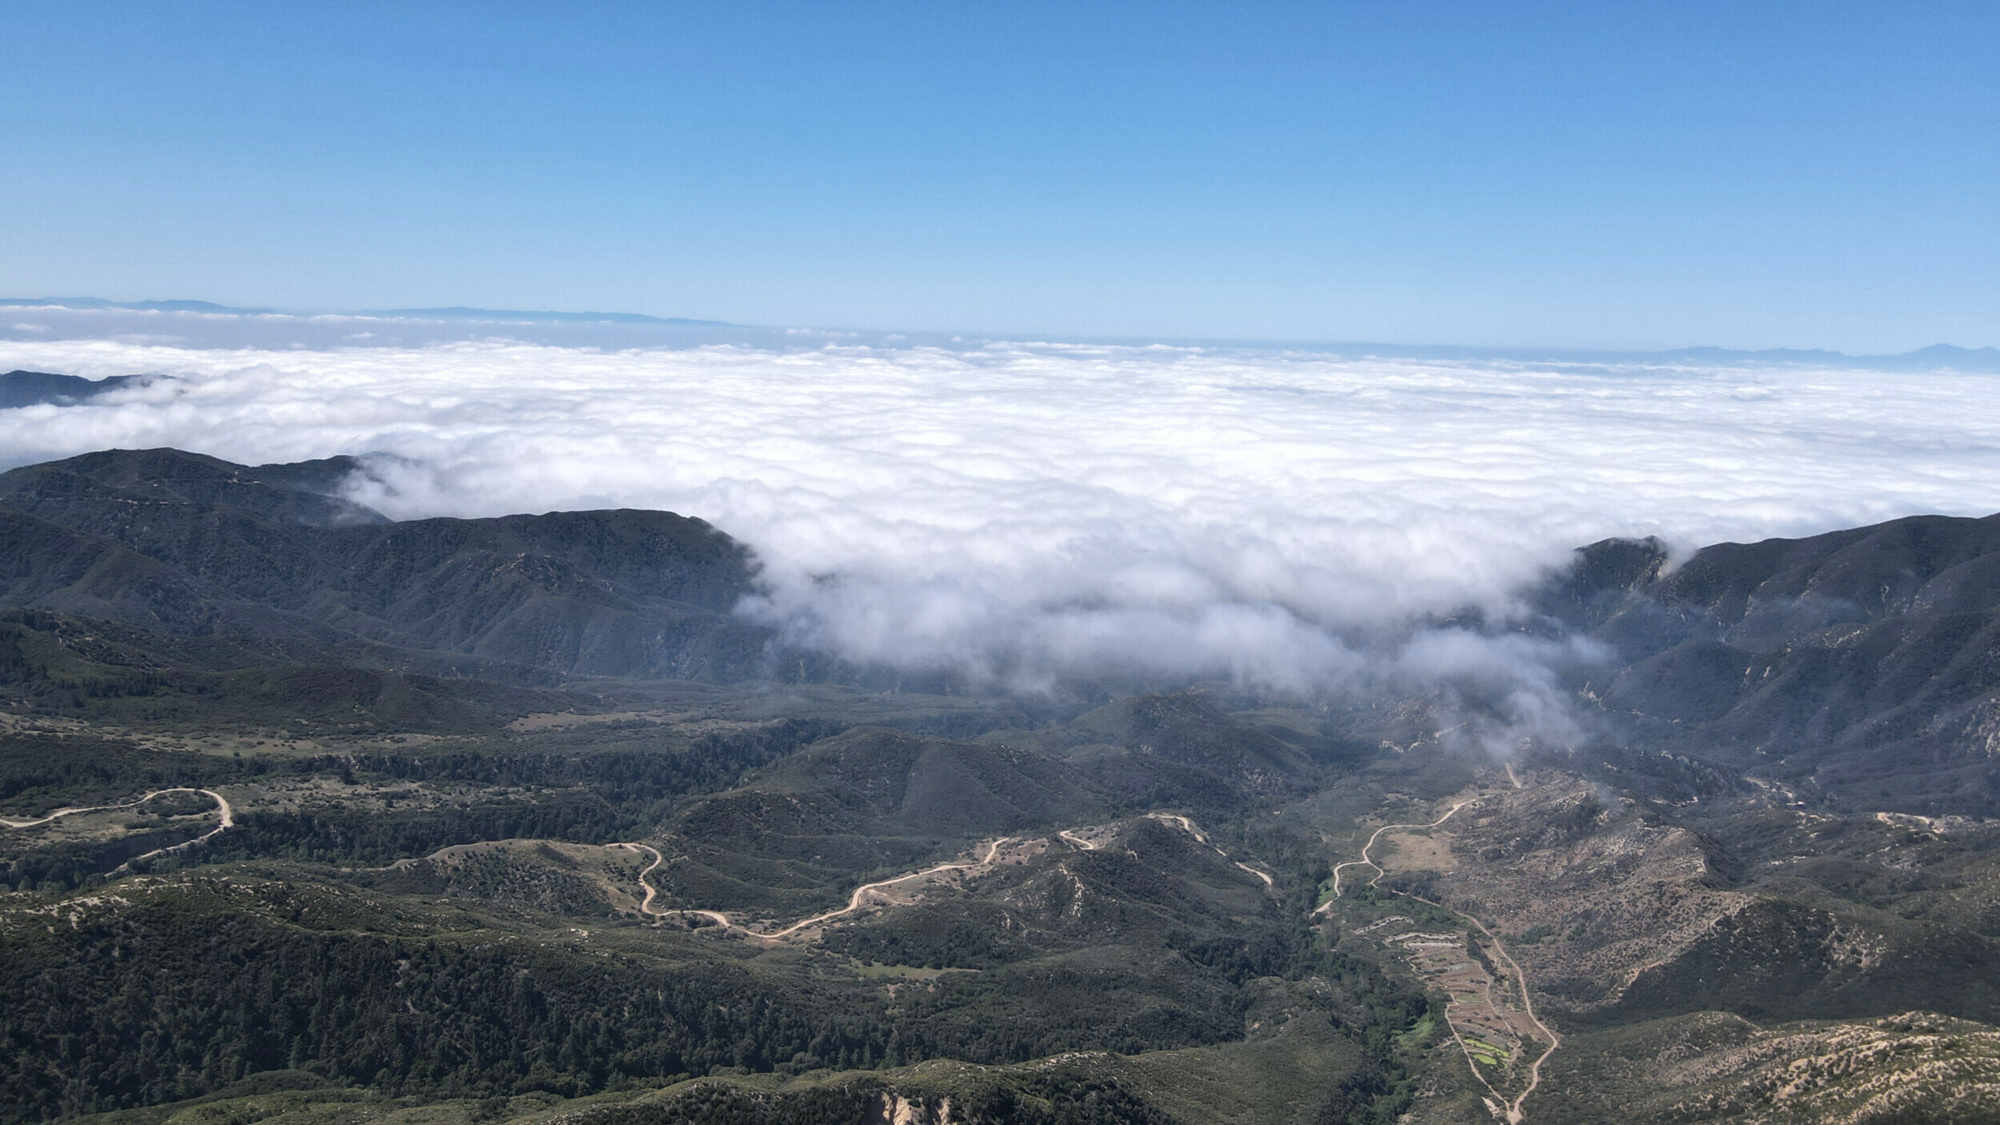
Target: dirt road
pixel 855 901
pixel 1514 1114
pixel 1188 827
pixel 1070 835
pixel 1364 861
pixel 228 818
pixel 1510 1109
pixel 861 894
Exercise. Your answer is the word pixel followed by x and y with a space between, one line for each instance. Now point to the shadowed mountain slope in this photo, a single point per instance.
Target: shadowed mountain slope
pixel 191 545
pixel 1858 663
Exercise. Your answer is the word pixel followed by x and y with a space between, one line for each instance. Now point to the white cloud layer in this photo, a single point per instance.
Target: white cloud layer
pixel 1028 510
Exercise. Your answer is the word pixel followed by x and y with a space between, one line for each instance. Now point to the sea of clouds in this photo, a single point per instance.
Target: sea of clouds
pixel 1019 512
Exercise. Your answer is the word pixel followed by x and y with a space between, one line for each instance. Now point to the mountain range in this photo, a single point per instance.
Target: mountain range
pixel 1856 664
pixel 313 815
pixel 455 312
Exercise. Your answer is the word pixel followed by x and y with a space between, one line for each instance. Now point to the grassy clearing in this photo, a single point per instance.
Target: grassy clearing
pixel 1421 1035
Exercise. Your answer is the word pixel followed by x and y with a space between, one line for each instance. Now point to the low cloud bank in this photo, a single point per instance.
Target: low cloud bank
pixel 1023 512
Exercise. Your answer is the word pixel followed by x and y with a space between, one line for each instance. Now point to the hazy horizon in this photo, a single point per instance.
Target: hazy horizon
pixel 79 308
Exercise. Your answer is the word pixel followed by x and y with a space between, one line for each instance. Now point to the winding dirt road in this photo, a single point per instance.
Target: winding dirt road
pixel 1364 861
pixel 864 892
pixel 1187 826
pixel 1200 837
pixel 1514 1114
pixel 855 901
pixel 1261 875
pixel 1071 836
pixel 1512 1109
pixel 222 806
pixel 646 904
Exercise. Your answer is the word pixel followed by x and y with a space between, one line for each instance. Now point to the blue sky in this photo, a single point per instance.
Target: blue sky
pixel 1622 175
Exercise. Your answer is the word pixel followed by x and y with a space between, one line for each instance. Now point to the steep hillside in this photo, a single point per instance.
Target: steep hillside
pixel 1856 666
pixel 191 545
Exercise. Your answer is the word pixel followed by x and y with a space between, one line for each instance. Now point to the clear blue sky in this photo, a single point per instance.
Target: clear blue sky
pixel 1605 174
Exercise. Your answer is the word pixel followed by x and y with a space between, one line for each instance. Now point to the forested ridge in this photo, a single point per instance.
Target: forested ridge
pixel 197 984
pixel 179 996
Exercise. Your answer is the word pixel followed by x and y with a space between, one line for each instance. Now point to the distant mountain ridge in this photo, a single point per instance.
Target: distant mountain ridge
pixel 459 312
pixel 133 306
pixel 455 312
pixel 36 388
pixel 1934 357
